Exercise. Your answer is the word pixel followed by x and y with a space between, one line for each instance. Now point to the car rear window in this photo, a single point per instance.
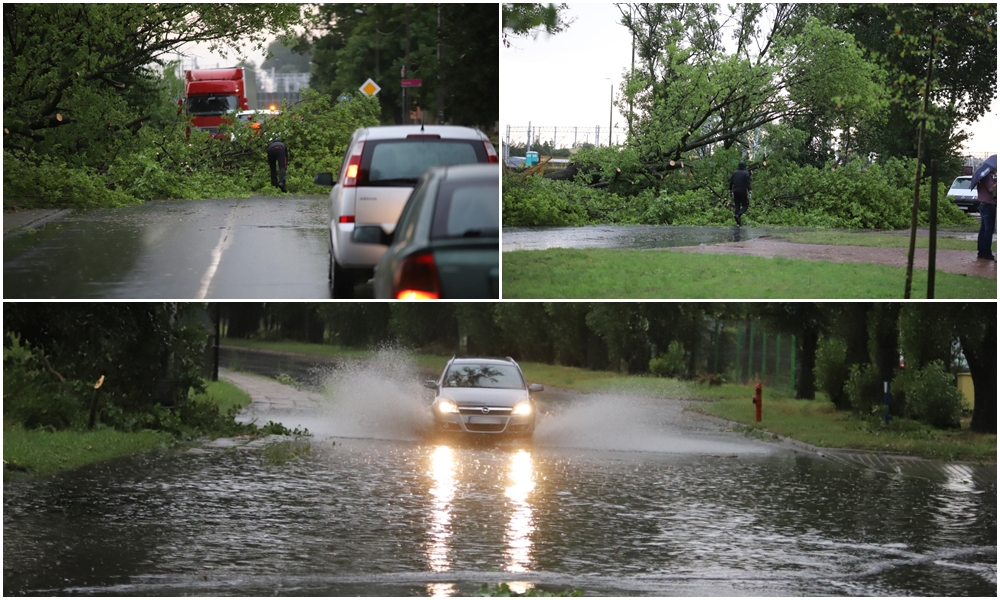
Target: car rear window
pixel 466 210
pixel 402 162
pixel 484 376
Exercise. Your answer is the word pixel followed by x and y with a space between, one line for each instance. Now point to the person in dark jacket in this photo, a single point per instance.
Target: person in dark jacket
pixel 986 191
pixel 739 189
pixel 277 157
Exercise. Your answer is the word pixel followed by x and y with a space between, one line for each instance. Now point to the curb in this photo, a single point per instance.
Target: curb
pixel 16 223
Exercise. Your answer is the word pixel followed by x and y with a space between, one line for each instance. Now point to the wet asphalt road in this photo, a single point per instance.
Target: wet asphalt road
pixel 253 248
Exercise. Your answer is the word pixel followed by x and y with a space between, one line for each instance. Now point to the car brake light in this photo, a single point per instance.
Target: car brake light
pixel 426 136
pixel 346 218
pixel 353 166
pixel 491 152
pixel 417 279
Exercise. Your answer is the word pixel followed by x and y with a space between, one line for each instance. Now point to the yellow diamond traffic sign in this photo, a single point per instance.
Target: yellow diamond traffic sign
pixel 370 88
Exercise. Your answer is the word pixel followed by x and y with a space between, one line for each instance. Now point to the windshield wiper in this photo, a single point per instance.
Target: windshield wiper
pixel 470 233
pixel 398 181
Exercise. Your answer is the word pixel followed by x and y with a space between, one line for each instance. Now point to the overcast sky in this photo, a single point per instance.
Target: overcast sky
pixel 565 80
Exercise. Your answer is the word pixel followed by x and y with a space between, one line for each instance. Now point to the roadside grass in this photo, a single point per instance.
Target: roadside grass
pixel 29 452
pixel 226 396
pixel 818 423
pixel 39 451
pixel 612 273
pixel 877 240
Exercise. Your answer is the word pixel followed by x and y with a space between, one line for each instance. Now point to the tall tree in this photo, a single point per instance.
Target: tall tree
pixel 520 20
pixel 978 336
pixel 806 321
pixel 687 93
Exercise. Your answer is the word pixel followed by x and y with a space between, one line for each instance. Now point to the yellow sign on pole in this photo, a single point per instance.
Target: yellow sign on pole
pixel 370 88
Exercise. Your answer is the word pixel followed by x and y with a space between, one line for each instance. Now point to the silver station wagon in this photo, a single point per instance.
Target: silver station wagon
pixel 485 396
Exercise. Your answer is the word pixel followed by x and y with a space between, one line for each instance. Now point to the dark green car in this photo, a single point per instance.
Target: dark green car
pixel 447 241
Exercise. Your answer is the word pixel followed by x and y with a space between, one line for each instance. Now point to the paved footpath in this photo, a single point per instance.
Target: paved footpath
pixel 270 401
pixel 952 261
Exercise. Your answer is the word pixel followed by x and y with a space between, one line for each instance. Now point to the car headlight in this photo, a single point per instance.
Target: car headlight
pixel 522 408
pixel 447 406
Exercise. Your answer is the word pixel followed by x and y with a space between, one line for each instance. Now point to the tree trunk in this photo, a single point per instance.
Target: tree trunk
pixel 805 388
pixel 982 358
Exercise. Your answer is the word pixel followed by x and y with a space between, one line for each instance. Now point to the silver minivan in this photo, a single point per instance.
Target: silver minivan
pixel 377 174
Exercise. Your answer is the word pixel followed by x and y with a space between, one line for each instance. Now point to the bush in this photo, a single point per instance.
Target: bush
pixel 32 395
pixel 670 364
pixel 865 389
pixel 932 396
pixel 534 200
pixel 832 370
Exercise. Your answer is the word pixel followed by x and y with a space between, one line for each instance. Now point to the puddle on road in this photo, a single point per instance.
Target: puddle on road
pixel 633 237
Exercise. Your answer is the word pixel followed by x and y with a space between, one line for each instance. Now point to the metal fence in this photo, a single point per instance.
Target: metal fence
pixel 744 352
pixel 560 136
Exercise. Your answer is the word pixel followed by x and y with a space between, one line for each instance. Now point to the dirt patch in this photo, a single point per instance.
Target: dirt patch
pixel 951 261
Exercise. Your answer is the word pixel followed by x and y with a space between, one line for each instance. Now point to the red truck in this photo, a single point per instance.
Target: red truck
pixel 209 94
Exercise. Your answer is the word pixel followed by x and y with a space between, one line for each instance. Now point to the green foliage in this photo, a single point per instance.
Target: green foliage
pixel 670 364
pixel 45 182
pixel 865 389
pixel 832 370
pixel 272 428
pixel 32 396
pixel 931 395
pixel 539 201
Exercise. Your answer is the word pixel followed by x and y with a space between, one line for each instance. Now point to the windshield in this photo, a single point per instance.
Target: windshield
pixel 484 376
pixel 211 105
pixel 962 183
pixel 398 161
pixel 470 210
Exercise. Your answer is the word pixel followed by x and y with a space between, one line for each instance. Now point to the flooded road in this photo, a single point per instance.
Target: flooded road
pixel 615 495
pixel 633 237
pixel 253 248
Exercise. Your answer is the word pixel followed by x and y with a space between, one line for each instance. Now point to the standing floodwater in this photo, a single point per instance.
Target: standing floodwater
pixel 616 495
pixel 632 237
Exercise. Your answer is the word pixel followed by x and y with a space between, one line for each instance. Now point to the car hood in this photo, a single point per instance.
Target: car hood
pixel 484 396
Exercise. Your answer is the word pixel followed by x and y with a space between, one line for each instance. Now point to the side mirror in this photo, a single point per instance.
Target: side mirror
pixel 536 387
pixel 431 384
pixel 323 179
pixel 370 234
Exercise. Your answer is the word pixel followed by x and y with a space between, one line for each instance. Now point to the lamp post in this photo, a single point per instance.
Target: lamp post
pixel 611 107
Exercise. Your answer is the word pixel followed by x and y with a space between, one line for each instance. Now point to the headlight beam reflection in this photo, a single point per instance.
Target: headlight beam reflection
pixel 442 493
pixel 522 522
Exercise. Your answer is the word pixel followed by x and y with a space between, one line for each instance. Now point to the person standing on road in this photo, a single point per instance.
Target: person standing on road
pixel 277 157
pixel 987 191
pixel 739 190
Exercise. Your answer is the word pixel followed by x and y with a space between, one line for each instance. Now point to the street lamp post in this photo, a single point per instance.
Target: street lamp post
pixel 611 108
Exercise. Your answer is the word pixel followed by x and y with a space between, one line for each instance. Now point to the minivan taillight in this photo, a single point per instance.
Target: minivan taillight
pixel 491 152
pixel 353 166
pixel 416 279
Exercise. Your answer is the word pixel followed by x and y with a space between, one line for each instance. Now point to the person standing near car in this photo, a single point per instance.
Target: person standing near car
pixel 277 158
pixel 739 190
pixel 987 192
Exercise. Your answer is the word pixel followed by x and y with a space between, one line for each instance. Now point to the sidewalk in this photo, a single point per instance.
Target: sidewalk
pixel 270 401
pixel 15 222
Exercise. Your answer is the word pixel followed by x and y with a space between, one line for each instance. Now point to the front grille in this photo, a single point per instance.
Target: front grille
pixel 499 411
pixel 485 428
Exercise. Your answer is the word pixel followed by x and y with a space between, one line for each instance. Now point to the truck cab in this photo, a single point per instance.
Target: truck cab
pixel 211 94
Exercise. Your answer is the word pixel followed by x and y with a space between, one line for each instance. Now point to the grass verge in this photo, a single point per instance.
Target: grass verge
pixel 28 452
pixel 38 451
pixel 604 273
pixel 818 423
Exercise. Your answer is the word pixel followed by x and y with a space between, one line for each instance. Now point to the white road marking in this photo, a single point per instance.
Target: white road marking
pixel 206 279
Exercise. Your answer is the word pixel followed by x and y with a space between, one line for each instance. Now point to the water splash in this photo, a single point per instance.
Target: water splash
pixel 379 397
pixel 636 424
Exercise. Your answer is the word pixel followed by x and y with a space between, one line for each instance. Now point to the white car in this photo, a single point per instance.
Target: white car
pixel 963 197
pixel 484 396
pixel 377 174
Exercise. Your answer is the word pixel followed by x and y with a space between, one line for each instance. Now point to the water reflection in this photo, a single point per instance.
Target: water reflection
pixel 522 523
pixel 442 494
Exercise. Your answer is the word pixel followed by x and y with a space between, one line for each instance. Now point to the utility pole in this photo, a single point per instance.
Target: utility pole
pixel 406 64
pixel 440 90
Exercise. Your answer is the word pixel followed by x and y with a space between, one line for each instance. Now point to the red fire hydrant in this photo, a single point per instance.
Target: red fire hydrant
pixel 757 401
